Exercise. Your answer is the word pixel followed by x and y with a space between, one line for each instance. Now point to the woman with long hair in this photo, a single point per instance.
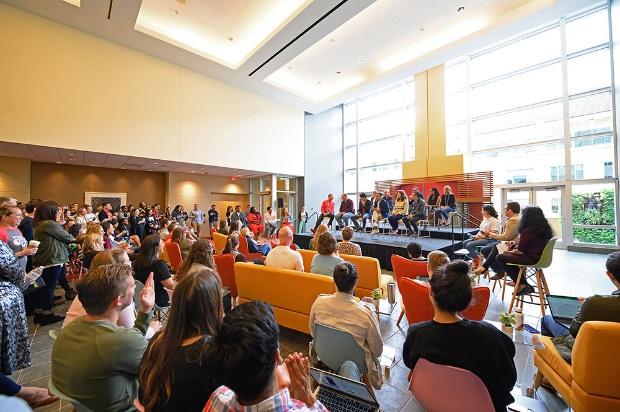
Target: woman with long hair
pixel 534 233
pixel 446 205
pixel 200 257
pixel 433 199
pixel 10 217
pixel 286 219
pixel 223 229
pixel 232 243
pixel 148 261
pixel 91 246
pixel 489 223
pixel 178 236
pixel 174 370
pixel 229 212
pixel 401 208
pixel 319 231
pixel 52 254
pixel 450 340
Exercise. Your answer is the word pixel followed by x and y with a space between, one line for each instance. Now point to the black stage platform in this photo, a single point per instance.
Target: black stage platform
pixel 382 246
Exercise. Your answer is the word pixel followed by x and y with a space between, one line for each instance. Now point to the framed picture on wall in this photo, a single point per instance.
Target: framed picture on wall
pixel 96 199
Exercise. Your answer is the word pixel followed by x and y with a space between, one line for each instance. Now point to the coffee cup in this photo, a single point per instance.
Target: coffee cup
pixel 33 244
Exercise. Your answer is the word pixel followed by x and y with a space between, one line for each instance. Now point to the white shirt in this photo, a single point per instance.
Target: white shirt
pixel 90 217
pixel 270 218
pixel 284 257
pixel 341 311
pixel 490 224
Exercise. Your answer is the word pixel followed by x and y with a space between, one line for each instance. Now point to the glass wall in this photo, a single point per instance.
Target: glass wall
pixel 538 109
pixel 379 134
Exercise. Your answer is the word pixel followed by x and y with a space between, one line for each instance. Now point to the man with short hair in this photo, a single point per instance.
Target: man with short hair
pixel 105 215
pixel 435 260
pixel 417 190
pixel 245 356
pixel 364 210
pixel 214 216
pixel 283 256
pixel 388 198
pixel 197 218
pixel 239 215
pixel 381 208
pixel 89 216
pixel 346 211
pixel 327 210
pixel 418 210
pixel 94 361
pixel 270 222
pixel 342 311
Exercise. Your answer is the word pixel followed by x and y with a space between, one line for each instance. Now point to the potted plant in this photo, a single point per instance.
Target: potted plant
pixel 376 296
pixel 507 320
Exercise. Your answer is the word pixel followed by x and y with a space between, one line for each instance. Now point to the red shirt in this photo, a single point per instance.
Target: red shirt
pixel 327 206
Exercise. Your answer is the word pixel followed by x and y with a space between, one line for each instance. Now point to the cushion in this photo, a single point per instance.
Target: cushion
pixel 551 355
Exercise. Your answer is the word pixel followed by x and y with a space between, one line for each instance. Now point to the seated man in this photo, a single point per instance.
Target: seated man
pixel 94 360
pixel 597 307
pixel 364 210
pixel 346 211
pixel 342 311
pixel 283 256
pixel 254 247
pixel 380 209
pixel 245 356
pixel 418 210
pixel 327 210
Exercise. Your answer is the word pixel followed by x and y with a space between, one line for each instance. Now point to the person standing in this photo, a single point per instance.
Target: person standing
pixel 327 210
pixel 198 217
pixel 214 216
pixel 303 218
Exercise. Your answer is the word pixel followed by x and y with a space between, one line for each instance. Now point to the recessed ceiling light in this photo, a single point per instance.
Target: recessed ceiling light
pixel 361 61
pixel 338 72
pixel 332 40
pixel 155 163
pixel 93 165
pixel 174 11
pixel 71 154
pixel 230 39
pixel 460 9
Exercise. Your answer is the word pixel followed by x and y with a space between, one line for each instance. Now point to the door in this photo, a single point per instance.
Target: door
pixel 548 198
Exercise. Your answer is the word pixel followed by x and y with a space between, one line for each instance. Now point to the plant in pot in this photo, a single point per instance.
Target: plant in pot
pixel 508 321
pixel 376 296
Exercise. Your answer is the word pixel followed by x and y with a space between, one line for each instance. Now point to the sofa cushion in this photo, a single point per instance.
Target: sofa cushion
pixel 551 355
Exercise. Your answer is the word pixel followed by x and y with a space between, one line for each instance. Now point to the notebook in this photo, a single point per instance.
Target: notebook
pixel 338 393
pixel 563 308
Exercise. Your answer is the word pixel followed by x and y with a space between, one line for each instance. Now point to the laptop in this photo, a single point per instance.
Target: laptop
pixel 338 393
pixel 563 308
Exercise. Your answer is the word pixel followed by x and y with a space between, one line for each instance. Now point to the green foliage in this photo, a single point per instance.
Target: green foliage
pixel 376 294
pixel 594 209
pixel 507 319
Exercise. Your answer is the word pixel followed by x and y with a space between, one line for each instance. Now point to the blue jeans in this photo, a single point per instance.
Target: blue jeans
pixel 349 369
pixel 470 245
pixel 347 219
pixel 549 327
pixel 45 294
pixel 443 213
pixel 366 217
pixel 270 228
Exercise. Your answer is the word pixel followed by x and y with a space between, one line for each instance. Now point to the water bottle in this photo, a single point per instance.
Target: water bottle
pixel 518 319
pixel 391 292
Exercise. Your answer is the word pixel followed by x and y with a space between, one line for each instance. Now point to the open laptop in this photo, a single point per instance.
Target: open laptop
pixel 338 393
pixel 563 308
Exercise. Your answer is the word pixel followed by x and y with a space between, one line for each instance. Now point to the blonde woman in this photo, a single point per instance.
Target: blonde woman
pixel 319 230
pixel 92 244
pixel 447 205
pixel 401 207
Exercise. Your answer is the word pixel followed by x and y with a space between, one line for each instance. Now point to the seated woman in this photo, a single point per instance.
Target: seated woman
pixel 148 261
pixel 223 229
pixel 286 219
pixel 315 239
pixel 254 247
pixel 178 236
pixel 127 317
pixel 399 211
pixel 232 245
pixel 414 250
pixel 534 234
pixel 174 373
pixel 234 227
pixel 451 340
pixel 489 223
pixel 91 246
pixel 324 262
pixel 433 200
pixel 346 247
pixel 255 222
pixel 200 257
pixel 123 231
pixel 446 205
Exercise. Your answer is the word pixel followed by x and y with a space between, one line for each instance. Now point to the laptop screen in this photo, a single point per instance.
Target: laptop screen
pixel 343 385
pixel 563 307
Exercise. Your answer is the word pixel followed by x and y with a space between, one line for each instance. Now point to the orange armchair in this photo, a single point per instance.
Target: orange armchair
pixel 418 306
pixel 174 254
pixel 408 268
pixel 243 248
pixel 477 308
pixel 226 269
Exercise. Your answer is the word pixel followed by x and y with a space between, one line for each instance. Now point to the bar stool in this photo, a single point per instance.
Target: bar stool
pixel 529 271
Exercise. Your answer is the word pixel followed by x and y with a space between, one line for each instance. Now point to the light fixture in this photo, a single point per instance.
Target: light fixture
pixel 181 1
pixel 338 72
pixel 421 29
pixel 174 11
pixel 155 163
pixel 460 9
pixel 71 154
pixel 318 82
pixel 230 39
pixel 93 165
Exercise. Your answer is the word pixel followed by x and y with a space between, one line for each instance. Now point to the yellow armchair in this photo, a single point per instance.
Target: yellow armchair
pixel 590 383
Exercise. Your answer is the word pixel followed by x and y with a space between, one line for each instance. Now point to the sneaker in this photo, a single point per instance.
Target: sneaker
pixel 375 230
pixel 48 319
pixel 313 230
pixel 70 295
pixel 394 232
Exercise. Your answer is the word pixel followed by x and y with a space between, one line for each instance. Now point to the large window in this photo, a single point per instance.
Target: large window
pixel 379 134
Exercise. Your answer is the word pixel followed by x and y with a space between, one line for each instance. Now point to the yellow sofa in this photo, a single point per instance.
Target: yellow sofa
pixel 289 292
pixel 590 383
pixel 368 272
pixel 220 242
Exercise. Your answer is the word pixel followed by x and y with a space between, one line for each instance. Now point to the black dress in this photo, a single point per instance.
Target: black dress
pixel 137 228
pixel 160 272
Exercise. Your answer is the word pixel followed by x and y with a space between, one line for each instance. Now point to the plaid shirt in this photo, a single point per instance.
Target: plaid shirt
pixel 225 400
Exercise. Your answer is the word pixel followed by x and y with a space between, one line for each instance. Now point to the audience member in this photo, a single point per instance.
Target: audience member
pixel 151 224
pixel 229 212
pixel 255 222
pixel 94 360
pixel 245 357
pixel 199 258
pixel 324 262
pixel 174 374
pixel 435 260
pixel 52 254
pixel 270 223
pixel 388 198
pixel 254 247
pixel 315 239
pixel 235 227
pixel 451 340
pixel 238 215
pixel 8 201
pixel 90 216
pixel 414 250
pixel 180 215
pixel 12 236
pixel 148 263
pixel 105 215
pixel 214 216
pixel 346 211
pixel 178 237
pixel 137 224
pixel 223 229
pixel 283 256
pixel 232 245
pixel 342 311
pixel 346 247
pixel 327 210
pixel 364 211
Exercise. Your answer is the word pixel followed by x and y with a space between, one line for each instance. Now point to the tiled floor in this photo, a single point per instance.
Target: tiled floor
pixel 572 273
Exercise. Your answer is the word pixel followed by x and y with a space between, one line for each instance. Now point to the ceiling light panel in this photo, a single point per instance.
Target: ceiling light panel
pixel 205 27
pixel 385 37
